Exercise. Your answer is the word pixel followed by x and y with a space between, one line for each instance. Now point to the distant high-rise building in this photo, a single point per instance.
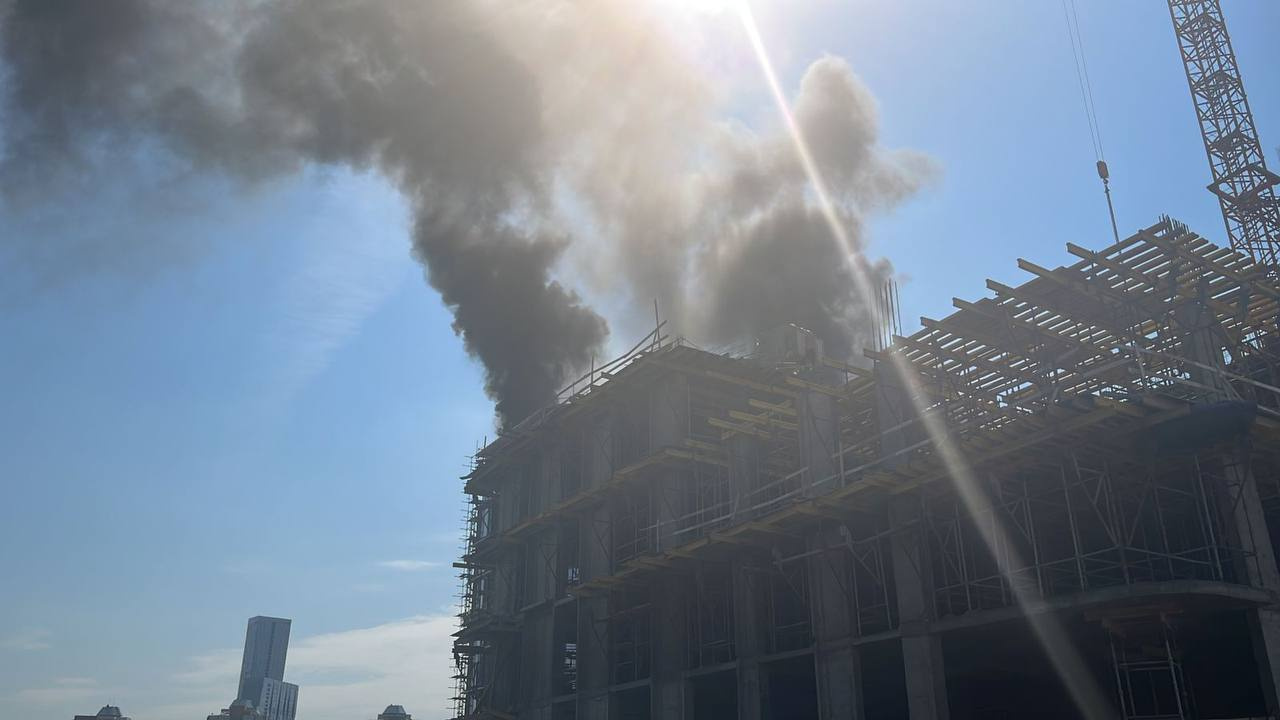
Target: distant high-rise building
pixel 279 700
pixel 266 643
pixel 263 693
pixel 395 712
pixel 107 711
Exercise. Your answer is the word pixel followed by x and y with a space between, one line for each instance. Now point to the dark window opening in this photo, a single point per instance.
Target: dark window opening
pixel 630 633
pixel 631 704
pixel 792 689
pixel 715 695
pixel 710 617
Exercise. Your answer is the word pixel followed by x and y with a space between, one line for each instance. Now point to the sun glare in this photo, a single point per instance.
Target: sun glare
pixel 1058 648
pixel 697 7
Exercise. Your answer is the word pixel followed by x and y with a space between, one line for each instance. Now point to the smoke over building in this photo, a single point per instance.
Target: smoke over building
pixel 485 116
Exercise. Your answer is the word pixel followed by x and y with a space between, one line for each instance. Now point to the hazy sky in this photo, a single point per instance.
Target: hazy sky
pixel 271 415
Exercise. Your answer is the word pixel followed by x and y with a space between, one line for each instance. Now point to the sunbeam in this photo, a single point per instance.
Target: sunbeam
pixel 1070 667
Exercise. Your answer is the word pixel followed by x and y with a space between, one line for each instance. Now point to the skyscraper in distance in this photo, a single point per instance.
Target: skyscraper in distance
pixel 263 694
pixel 266 643
pixel 279 700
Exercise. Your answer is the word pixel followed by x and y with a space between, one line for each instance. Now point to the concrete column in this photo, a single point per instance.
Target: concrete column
pixel 750 690
pixel 538 651
pixel 743 469
pixel 553 480
pixel 669 648
pixel 533 486
pixel 819 431
pixel 1249 521
pixel 598 454
pixel 747 625
pixel 1264 626
pixel 594 543
pixel 837 665
pixel 505 593
pixel 669 499
pixel 1250 526
pixel 507 675
pixel 921 649
pixel 895 411
pixel 593 658
pixel 1246 518
pixel 669 412
pixel 926 679
pixel 839 675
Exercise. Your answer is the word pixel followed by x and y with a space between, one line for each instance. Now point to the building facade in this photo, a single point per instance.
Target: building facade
pixel 1058 502
pixel 279 700
pixel 266 646
pixel 263 694
pixel 394 712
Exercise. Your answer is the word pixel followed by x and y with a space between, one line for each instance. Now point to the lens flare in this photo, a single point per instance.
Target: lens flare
pixel 698 7
pixel 1070 667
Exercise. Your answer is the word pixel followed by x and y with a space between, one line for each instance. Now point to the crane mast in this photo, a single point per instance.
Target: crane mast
pixel 1244 186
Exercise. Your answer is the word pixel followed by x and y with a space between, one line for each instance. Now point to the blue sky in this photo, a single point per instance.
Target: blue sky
pixel 270 416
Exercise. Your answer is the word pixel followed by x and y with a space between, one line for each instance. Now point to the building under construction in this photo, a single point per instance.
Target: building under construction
pixel 1060 501
pixel 1060 498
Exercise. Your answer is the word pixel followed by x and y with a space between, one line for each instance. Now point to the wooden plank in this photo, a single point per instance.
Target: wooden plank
pixel 851 369
pixel 732 428
pixel 816 387
pixel 764 420
pixel 781 409
pixel 773 389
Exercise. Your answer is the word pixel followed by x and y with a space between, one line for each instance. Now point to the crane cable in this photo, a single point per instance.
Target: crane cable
pixel 1072 18
pixel 1082 77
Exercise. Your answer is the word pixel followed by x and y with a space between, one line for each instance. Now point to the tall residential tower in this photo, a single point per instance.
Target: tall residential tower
pixel 263 693
pixel 266 643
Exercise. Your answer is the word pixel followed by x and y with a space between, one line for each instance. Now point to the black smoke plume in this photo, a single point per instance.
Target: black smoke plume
pixel 487 115
pixel 420 91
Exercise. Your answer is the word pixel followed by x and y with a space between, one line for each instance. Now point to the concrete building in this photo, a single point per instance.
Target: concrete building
pixel 108 712
pixel 266 645
pixel 263 694
pixel 279 700
pixel 394 712
pixel 239 710
pixel 1058 502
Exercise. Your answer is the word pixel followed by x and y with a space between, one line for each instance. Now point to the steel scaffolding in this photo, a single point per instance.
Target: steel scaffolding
pixel 1083 523
pixel 1150 684
pixel 1101 405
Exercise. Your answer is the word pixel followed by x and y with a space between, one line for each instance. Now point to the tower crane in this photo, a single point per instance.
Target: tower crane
pixel 1244 186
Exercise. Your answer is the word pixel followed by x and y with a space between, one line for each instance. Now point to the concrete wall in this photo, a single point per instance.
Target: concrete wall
pixel 593 657
pixel 598 455
pixel 921 649
pixel 836 662
pixel 669 411
pixel 669 647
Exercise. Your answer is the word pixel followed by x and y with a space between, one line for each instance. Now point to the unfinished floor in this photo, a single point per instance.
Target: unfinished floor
pixel 1089 461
